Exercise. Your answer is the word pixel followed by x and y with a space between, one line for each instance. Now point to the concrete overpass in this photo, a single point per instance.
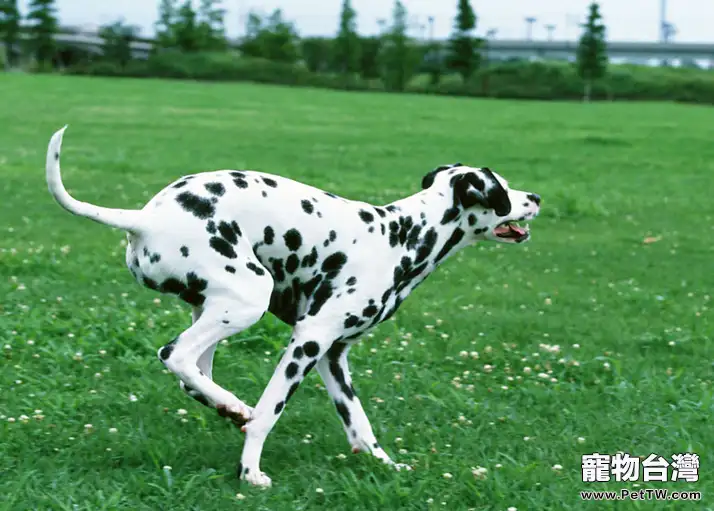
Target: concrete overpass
pixel 497 49
pixel 629 51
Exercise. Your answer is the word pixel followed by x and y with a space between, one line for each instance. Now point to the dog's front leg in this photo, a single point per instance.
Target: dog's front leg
pixel 304 351
pixel 334 371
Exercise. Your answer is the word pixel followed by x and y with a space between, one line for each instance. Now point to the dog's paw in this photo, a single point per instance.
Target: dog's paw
pixel 402 466
pixel 257 478
pixel 238 413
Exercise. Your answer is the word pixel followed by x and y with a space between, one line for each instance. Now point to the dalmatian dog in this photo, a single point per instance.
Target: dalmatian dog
pixel 235 244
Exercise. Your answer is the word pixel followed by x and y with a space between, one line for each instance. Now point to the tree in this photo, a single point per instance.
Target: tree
pixel 9 29
pixel 591 53
pixel 398 58
pixel 369 57
pixel 272 38
pixel 347 42
pixel 117 41
pixel 316 53
pixel 464 57
pixel 211 29
pixel 165 36
pixel 43 27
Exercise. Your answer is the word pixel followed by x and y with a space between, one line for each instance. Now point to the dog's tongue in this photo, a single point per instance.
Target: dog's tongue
pixel 509 229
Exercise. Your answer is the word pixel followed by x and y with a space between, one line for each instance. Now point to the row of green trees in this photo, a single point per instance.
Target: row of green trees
pixel 41 25
pixel 393 56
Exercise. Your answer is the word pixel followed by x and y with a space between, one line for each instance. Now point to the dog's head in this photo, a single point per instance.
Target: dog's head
pixel 483 203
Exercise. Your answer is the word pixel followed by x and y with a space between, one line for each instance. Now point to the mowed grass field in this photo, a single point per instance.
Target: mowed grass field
pixel 596 336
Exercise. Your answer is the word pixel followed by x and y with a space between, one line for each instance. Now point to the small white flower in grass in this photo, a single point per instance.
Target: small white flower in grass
pixel 576 346
pixel 184 420
pixel 11 419
pixel 398 439
pixel 527 370
pixel 512 509
pixel 240 496
pixel 341 456
pixel 543 375
pixel 554 380
pixel 429 500
pixel 97 375
pixel 498 465
pixel 8 347
pixel 157 301
pixel 557 467
pixel 18 382
pixel 487 368
pixel 102 352
pixel 479 472
pixel 319 490
pixel 606 366
pixel 464 354
pixel 133 398
pixel 403 451
pixel 167 468
pixel 181 411
pixel 30 342
pixel 373 350
pixel 444 336
pixel 526 438
pixel 397 377
pixel 113 430
pixel 581 440
pixel 88 427
pixel 447 476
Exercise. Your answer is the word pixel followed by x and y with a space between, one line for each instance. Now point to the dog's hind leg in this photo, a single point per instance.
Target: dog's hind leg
pixel 334 371
pixel 226 311
pixel 205 364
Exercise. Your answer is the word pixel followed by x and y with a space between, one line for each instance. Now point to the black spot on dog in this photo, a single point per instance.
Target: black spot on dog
pixel 255 269
pixel 332 195
pixel 311 259
pixel 56 156
pixel 236 229
pixel 298 353
pixel 291 391
pixel 322 294
pixel 351 290
pixel 198 206
pixel 333 235
pixel 307 207
pixel 264 193
pixel 180 184
pixel 334 263
pixel 279 407
pixel 371 229
pixel 309 367
pixel 291 370
pixel 380 212
pixel 222 247
pixel 230 269
pixel 240 182
pixel 165 352
pixel 268 235
pixel 370 311
pixel 383 228
pixel 293 239
pixel 270 182
pixel 228 233
pixel 225 322
pixel 449 215
pixel 481 230
pixel 366 216
pixel 215 188
pixel 351 281
pixel 391 208
pixel 344 412
pixel 292 263
pixel 472 219
pixel 211 227
pixel 155 258
pixel 455 238
pixel 184 251
pixel 427 246
pixel 351 321
pixel 312 349
pixel 278 271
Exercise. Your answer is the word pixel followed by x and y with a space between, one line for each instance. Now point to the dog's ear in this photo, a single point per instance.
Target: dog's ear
pixel 428 180
pixel 470 190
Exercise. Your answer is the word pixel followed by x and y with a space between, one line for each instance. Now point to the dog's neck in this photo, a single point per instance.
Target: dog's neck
pixel 424 229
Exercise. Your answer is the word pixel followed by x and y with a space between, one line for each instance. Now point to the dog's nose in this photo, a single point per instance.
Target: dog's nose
pixel 535 198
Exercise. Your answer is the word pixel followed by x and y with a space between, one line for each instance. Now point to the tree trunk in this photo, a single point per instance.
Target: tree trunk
pixel 588 91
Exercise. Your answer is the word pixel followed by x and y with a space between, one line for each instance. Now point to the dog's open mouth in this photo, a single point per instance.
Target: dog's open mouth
pixel 512 231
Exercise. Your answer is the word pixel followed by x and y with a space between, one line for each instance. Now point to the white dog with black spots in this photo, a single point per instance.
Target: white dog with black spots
pixel 237 244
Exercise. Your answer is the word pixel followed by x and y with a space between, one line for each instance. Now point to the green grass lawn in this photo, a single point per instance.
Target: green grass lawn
pixel 596 336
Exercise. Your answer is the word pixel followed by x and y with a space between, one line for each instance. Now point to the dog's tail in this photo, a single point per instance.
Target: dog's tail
pixel 129 220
